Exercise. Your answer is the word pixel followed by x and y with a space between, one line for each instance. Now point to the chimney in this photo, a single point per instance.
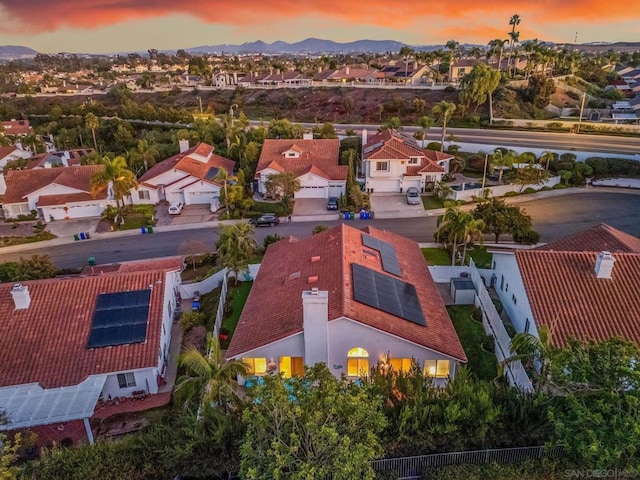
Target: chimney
pixel 415 66
pixel 21 297
pixel 184 145
pixel 315 317
pixel 347 70
pixel 604 265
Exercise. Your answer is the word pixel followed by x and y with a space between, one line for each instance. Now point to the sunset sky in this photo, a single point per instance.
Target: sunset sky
pixel 103 26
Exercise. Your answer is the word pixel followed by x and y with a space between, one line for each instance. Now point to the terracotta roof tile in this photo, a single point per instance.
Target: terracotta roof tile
pixel 21 183
pixel 390 145
pixel 46 343
pixel 6 151
pixel 567 297
pixel 16 127
pixel 595 239
pixel 61 199
pixel 321 154
pixel 274 308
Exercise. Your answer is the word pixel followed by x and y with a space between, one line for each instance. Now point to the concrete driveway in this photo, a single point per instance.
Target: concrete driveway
pixel 394 205
pixel 307 209
pixel 189 214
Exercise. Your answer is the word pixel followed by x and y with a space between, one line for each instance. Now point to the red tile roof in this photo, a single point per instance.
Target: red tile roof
pixel 567 297
pixel 188 164
pixel 436 156
pixel 61 199
pixel 390 145
pixel 6 151
pixel 46 343
pixel 21 183
pixel 323 155
pixel 16 127
pixel 274 308
pixel 595 239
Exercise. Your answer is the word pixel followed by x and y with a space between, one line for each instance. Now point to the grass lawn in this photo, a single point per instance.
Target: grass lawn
pixel 38 237
pixel 471 333
pixel 481 257
pixel 472 173
pixel 430 202
pixel 238 296
pixel 436 256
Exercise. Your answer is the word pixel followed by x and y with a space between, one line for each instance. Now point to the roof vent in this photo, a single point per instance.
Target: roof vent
pixel 21 297
pixel 314 291
pixel 293 276
pixel 313 279
pixel 315 258
pixel 604 264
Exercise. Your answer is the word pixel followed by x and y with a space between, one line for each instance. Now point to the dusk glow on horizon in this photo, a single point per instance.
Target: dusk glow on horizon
pixel 103 26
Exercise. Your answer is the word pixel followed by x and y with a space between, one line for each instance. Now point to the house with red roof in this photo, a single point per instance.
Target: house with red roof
pixel 67 342
pixel 189 177
pixel 11 153
pixel 393 162
pixel 55 193
pixel 314 162
pixel 585 286
pixel 348 298
pixel 16 128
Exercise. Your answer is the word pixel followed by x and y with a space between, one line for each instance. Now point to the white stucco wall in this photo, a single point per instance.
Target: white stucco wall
pixel 153 196
pixel 146 379
pixel 51 189
pixel 506 266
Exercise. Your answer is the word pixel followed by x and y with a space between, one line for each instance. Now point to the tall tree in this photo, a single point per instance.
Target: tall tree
pixel 406 53
pixel 209 380
pixel 311 427
pixel 144 155
pixel 425 124
pixel 225 180
pixel 443 110
pixel 502 160
pixel 117 176
pixel 501 218
pixel 452 45
pixel 236 247
pixel 479 84
pixel 513 36
pixel 92 122
pixel 454 228
pixel 285 184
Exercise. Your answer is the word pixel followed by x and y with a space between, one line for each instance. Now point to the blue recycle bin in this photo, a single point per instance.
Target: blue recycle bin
pixel 367 215
pixel 82 237
pixel 362 215
pixel 346 215
pixel 143 230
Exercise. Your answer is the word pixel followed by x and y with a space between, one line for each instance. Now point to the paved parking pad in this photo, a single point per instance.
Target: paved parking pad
pixel 394 205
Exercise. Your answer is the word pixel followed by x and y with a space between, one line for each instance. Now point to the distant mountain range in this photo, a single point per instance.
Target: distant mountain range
pixel 10 52
pixel 310 45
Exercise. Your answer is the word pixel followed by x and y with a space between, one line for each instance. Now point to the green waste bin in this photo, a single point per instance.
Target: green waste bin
pixel 92 261
pixel 149 229
pixel 352 215
pixel 76 237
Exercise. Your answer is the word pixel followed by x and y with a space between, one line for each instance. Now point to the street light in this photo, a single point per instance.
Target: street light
pixel 484 174
pixel 584 96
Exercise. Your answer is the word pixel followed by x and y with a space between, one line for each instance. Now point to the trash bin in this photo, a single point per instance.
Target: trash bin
pixel 346 215
pixel 362 216
pixel 82 237
pixel 86 235
pixel 143 230
pixel 352 215
pixel 371 214
pixel 76 237
pixel 91 261
pixel 149 229
pixel 367 215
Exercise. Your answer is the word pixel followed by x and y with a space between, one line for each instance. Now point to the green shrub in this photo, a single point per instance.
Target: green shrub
pixel 530 190
pixel 387 475
pixel 546 188
pixel 511 194
pixel 189 320
pixel 540 469
pixel 511 331
pixel 498 304
pixel 529 237
pixel 554 125
pixel 433 146
pixel 559 186
pixel 488 343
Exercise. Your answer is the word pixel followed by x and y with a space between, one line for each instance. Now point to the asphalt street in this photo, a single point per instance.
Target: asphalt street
pixel 553 217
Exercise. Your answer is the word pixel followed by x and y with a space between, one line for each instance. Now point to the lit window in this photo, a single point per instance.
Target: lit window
pixel 436 368
pixel 126 380
pixel 255 366
pixel 382 166
pixel 291 367
pixel 401 364
pixel 357 362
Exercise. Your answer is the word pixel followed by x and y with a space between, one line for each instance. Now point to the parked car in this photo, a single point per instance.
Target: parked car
pixel 268 219
pixel 413 196
pixel 332 203
pixel 175 208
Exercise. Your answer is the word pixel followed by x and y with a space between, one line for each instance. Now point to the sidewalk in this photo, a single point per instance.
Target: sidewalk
pixel 66 229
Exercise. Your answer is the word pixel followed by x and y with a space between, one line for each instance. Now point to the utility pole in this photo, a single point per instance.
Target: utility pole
pixel 484 174
pixel 200 100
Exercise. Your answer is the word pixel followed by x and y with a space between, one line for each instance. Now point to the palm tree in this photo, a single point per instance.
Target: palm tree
pixel 546 157
pixel 236 247
pixel 501 160
pixel 472 229
pixel 513 35
pixel 406 53
pixel 225 179
pixel 92 122
pixel 452 45
pixel 144 153
pixel 208 378
pixel 444 110
pixel 425 123
pixel 117 176
pixel 534 352
pixel 454 227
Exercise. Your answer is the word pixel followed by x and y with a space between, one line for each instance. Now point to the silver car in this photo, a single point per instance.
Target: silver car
pixel 413 196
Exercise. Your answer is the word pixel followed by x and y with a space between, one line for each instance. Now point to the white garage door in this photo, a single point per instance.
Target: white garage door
pixel 198 197
pixel 336 190
pixel 379 186
pixel 410 183
pixel 312 192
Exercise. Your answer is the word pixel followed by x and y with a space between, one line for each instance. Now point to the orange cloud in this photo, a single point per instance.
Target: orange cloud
pixel 489 18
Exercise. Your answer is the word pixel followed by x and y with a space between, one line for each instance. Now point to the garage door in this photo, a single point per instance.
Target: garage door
pixel 336 190
pixel 410 183
pixel 193 198
pixel 312 192
pixel 379 186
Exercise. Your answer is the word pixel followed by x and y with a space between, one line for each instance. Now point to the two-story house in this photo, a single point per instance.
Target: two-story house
pixel 392 162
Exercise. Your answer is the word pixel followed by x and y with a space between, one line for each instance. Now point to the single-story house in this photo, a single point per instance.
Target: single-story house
pixel 18 128
pixel 348 298
pixel 67 342
pixel 584 286
pixel 393 162
pixel 11 153
pixel 56 193
pixel 314 162
pixel 188 177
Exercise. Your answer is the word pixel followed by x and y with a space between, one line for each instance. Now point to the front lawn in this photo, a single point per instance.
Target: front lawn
pixel 38 237
pixel 436 256
pixel 237 295
pixel 430 202
pixel 135 217
pixel 471 333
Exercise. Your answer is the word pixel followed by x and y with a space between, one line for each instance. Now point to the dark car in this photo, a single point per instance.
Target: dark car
pixel 268 219
pixel 332 203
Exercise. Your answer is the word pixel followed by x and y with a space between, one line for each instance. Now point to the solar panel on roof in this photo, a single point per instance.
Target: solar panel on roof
pixel 387 293
pixel 212 173
pixel 373 147
pixel 387 251
pixel 120 318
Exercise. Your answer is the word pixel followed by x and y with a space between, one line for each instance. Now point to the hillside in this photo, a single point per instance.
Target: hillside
pixel 11 52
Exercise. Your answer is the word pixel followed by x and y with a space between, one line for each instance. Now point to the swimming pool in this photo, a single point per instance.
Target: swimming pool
pixel 467 186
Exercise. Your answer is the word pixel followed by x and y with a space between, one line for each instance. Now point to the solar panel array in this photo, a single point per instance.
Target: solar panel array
pixel 388 255
pixel 120 318
pixel 386 293
pixel 212 173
